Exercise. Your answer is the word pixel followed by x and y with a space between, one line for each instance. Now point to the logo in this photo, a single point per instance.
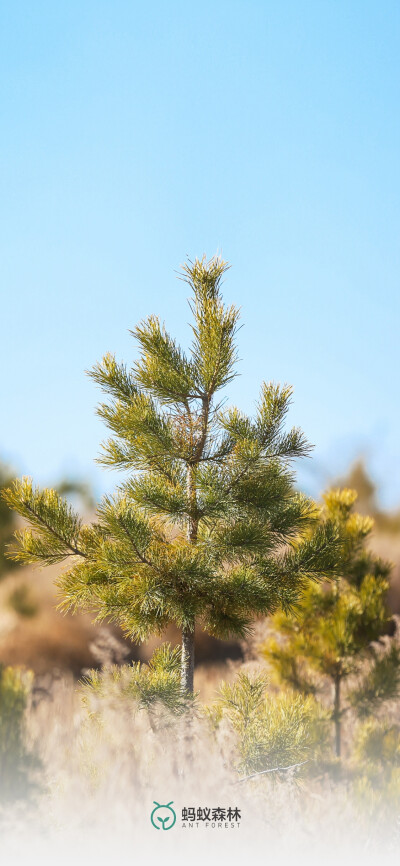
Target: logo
pixel 216 817
pixel 166 817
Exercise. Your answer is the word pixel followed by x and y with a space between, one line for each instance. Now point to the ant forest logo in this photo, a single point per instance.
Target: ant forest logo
pixel 163 817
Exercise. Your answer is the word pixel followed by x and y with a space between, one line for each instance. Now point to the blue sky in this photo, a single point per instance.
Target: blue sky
pixel 134 135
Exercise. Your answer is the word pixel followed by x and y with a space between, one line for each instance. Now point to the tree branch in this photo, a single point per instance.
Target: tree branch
pixel 74 550
pixel 140 555
pixel 273 770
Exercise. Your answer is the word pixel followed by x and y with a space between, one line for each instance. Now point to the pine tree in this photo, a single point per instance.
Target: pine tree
pixel 273 733
pixel 206 528
pixel 341 629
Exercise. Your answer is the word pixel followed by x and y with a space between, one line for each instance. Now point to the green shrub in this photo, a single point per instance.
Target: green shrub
pixel 16 762
pixel 271 731
pixel 153 686
pixel 376 769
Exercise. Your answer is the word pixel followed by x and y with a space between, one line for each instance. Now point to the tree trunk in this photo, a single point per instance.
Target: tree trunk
pixel 187 677
pixel 336 716
pixel 187 665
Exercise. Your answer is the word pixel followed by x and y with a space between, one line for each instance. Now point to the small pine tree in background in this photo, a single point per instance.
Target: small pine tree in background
pixel 272 733
pixel 207 528
pixel 341 630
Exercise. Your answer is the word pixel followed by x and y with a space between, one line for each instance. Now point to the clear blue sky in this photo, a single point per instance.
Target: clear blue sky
pixel 135 134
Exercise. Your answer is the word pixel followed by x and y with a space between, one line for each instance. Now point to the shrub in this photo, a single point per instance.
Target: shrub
pixel 271 731
pixel 153 686
pixel 376 767
pixel 16 762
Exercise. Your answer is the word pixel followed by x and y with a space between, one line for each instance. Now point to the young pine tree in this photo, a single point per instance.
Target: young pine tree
pixel 273 733
pixel 341 629
pixel 206 528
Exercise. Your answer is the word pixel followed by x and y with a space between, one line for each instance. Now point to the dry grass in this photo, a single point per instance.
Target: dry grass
pixel 104 764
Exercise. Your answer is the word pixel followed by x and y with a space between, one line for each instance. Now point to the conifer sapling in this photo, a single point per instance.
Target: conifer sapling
pixel 206 529
pixel 342 629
